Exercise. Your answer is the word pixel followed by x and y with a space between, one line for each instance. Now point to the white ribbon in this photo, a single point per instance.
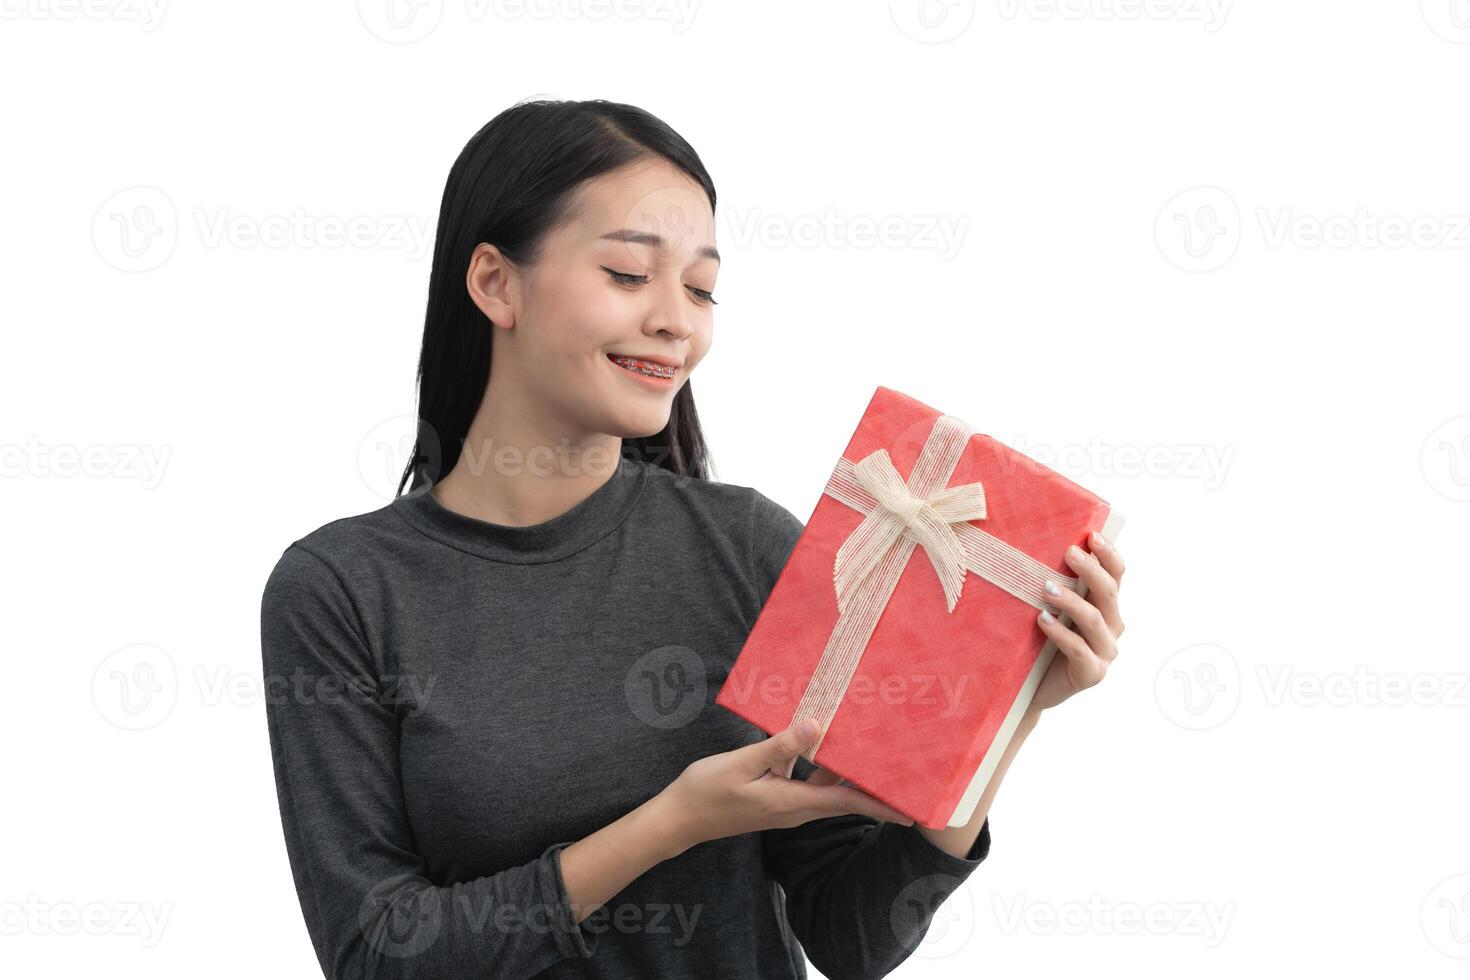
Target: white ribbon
pixel 926 520
pixel 899 516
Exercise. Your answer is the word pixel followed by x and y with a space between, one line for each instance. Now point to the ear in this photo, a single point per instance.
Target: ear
pixel 491 282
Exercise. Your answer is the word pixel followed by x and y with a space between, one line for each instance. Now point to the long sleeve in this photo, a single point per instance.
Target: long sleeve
pixel 860 893
pixel 370 909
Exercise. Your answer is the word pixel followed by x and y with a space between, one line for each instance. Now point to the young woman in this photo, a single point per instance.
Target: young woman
pixel 495 743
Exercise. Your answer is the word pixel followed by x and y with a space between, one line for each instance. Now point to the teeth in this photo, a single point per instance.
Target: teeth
pixel 644 367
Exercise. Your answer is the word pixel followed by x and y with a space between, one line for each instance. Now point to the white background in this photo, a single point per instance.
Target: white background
pixel 1207 258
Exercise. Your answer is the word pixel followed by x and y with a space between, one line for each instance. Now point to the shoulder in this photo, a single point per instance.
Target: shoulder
pixel 774 531
pixel 322 560
pixel 321 603
pixel 738 523
pixel 710 501
pixel 771 516
pixel 750 516
pixel 756 529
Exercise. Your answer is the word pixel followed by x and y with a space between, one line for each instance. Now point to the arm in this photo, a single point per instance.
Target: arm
pixel 843 886
pixel 601 864
pixel 850 885
pixel 850 880
pixel 1084 656
pixel 959 840
pixel 370 909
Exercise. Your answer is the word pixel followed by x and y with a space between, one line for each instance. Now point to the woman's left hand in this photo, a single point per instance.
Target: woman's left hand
pixel 1087 648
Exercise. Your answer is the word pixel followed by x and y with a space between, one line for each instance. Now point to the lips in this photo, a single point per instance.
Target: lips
pixel 640 366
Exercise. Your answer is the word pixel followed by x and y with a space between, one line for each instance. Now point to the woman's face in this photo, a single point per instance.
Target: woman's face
pixel 630 274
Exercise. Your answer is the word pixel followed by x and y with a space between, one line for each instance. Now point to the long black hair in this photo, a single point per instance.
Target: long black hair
pixel 511 184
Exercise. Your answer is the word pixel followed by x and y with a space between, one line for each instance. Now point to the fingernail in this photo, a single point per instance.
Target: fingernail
pixel 1051 588
pixel 1075 552
pixel 808 728
pixel 1099 539
pixel 1045 616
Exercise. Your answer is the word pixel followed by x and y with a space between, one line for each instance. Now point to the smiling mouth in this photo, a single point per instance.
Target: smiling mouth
pixel 646 368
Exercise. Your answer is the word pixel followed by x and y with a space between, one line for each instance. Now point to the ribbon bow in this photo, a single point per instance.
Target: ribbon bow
pixel 899 516
pixel 926 520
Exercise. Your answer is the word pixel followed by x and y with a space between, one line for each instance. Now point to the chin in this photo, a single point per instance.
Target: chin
pixel 649 424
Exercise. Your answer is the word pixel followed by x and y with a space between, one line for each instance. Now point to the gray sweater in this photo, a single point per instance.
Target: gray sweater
pixel 452 702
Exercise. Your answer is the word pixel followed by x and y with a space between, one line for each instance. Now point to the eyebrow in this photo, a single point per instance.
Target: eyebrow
pixel 657 241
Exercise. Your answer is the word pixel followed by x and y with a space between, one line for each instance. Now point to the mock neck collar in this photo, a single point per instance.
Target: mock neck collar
pixel 567 533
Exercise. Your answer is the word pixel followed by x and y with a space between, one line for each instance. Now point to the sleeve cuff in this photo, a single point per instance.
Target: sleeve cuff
pixel 940 859
pixel 572 937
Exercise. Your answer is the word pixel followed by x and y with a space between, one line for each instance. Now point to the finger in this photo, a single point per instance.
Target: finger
pixel 1102 594
pixel 778 753
pixel 1087 622
pixel 823 777
pixel 782 769
pixel 1086 667
pixel 1108 554
pixel 838 800
pixel 1085 616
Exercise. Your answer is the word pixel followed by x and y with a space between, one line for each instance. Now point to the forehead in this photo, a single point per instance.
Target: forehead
pixel 650 198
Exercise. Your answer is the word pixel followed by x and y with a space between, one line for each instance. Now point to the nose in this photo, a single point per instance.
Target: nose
pixel 669 314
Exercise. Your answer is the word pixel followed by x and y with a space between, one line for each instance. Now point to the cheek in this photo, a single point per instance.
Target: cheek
pixel 704 340
pixel 576 315
pixel 586 329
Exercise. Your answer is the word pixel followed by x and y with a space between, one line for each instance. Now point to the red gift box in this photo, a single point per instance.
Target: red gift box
pixel 905 618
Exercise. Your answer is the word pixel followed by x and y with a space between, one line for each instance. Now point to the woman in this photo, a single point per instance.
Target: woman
pixel 497 753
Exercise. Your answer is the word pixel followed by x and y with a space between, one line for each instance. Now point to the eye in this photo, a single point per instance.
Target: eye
pixel 626 278
pixel 633 279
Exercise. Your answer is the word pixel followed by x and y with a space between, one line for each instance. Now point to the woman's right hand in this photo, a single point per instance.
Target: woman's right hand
pixel 745 790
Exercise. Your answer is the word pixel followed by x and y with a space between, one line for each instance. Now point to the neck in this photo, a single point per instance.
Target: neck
pixel 518 469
